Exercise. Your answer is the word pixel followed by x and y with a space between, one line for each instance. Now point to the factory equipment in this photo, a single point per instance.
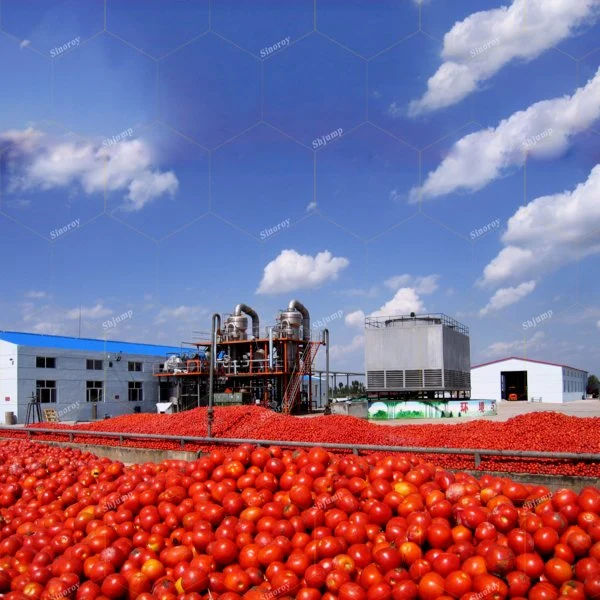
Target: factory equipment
pixel 249 369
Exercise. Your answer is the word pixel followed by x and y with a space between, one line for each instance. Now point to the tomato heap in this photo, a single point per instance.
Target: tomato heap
pixel 262 524
pixel 539 431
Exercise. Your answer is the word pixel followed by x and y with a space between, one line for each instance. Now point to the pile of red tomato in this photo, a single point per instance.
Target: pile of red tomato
pixel 268 524
pixel 538 431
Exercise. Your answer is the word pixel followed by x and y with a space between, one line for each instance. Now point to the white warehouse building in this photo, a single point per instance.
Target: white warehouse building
pixel 70 375
pixel 516 378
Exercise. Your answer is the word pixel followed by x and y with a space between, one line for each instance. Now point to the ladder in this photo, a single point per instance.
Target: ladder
pixel 304 367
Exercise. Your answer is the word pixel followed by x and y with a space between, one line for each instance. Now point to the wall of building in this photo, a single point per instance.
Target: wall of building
pixel 574 384
pixel 71 375
pixel 543 381
pixel 9 362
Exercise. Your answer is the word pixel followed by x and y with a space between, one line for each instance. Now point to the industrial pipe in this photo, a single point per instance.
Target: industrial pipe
pixel 295 304
pixel 216 326
pixel 326 342
pixel 270 330
pixel 243 308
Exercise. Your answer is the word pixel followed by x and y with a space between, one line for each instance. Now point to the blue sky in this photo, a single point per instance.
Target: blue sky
pixel 365 157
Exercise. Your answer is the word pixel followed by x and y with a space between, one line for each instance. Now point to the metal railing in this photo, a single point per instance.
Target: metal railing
pixel 476 453
pixel 413 320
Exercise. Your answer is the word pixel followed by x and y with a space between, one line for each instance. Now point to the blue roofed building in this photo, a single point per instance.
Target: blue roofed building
pixel 72 375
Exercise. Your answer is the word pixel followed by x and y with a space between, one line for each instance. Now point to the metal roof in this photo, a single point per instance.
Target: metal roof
pixel 542 362
pixel 92 345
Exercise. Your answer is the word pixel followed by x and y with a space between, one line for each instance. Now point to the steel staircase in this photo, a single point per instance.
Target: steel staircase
pixel 302 368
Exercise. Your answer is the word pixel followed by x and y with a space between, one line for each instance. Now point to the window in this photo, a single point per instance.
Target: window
pixel 45 362
pixel 136 393
pixel 134 366
pixel 94 391
pixel 46 390
pixel 93 365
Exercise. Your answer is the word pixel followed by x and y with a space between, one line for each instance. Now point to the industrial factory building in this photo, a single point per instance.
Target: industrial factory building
pixel 524 379
pixel 74 375
pixel 273 369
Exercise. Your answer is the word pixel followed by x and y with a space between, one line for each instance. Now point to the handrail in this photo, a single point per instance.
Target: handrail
pixel 327 445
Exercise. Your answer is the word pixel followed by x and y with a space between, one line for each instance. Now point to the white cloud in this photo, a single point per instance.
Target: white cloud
pixel 311 206
pixel 24 44
pixel 36 294
pixel 37 161
pixel 549 232
pixel 543 130
pixel 355 319
pixel 340 350
pixel 422 284
pixel 506 296
pixel 89 312
pixel 598 324
pixel 477 48
pixel 180 314
pixel 515 347
pixel 293 271
pixel 405 301
pixel 396 196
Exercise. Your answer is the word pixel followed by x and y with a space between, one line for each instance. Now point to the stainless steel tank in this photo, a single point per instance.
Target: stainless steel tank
pixel 236 327
pixel 290 320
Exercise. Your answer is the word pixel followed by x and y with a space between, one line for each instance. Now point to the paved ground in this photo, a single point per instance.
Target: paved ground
pixel 506 410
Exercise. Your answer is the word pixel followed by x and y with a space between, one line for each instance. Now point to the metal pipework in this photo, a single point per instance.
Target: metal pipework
pixel 243 308
pixel 216 326
pixel 295 304
pixel 270 330
pixel 326 343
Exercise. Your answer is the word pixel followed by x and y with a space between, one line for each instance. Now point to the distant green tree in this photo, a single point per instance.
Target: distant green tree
pixel 593 386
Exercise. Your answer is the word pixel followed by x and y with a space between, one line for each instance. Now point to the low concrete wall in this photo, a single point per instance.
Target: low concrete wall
pixel 124 454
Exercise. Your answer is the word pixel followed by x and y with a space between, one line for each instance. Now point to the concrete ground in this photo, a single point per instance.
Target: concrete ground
pixel 506 410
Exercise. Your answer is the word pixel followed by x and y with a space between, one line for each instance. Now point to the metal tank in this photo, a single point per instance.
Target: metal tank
pixel 236 327
pixel 290 323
